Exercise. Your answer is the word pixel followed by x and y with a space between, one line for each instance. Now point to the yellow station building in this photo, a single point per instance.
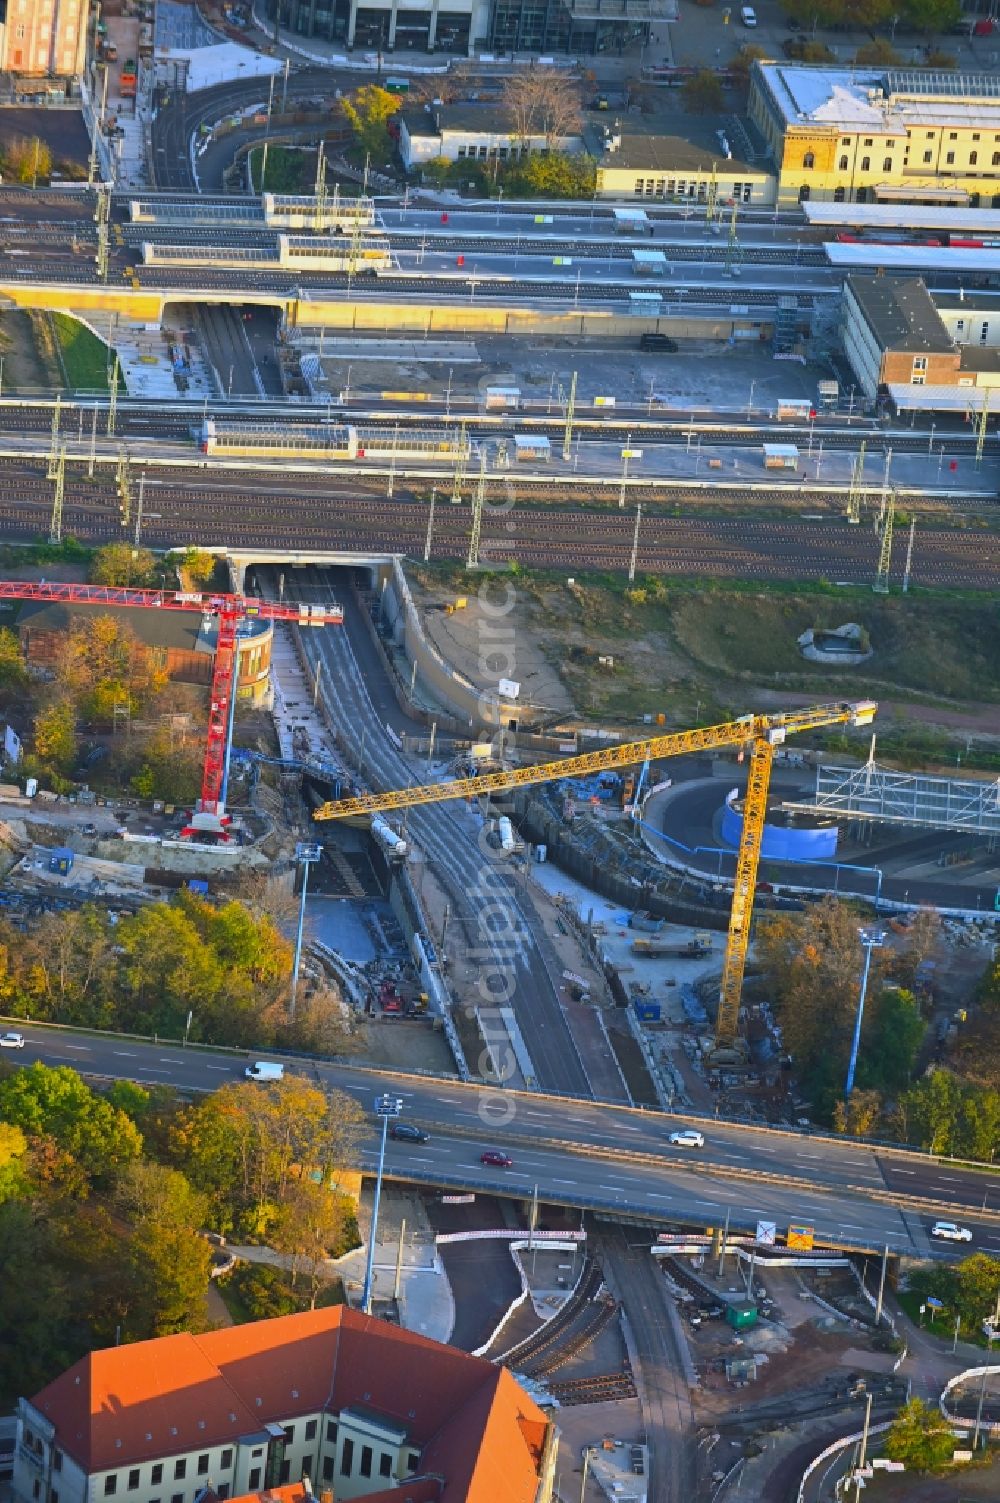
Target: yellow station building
pixel 879 136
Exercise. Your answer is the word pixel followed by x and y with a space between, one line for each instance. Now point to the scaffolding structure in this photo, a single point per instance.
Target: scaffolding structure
pixel 885 796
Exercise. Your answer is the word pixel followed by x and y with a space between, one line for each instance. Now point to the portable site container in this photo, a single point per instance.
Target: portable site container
pixel 781 457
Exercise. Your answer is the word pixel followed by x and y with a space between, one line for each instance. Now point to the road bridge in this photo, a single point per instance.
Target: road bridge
pixel 592 1154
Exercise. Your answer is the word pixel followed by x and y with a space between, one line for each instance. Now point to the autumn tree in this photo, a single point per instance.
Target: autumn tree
pixel 368 112
pixel 54 735
pixel 702 94
pixel 121 564
pixel 13 674
pixel 102 665
pixel 28 159
pixel 57 1102
pixel 170 766
pixel 920 1437
pixel 312 1224
pixel 168 1262
pixel 542 102
pixel 248 1146
pixel 858 1117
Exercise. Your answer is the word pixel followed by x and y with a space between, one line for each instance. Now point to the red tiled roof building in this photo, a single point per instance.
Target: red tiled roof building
pixel 360 1408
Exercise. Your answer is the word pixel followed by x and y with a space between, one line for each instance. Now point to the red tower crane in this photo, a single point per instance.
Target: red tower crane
pixel 210 815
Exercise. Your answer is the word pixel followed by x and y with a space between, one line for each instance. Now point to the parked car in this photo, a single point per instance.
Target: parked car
pixel 11 1040
pixel 407 1133
pixel 661 342
pixel 950 1231
pixel 748 15
pixel 498 1160
pixel 689 1137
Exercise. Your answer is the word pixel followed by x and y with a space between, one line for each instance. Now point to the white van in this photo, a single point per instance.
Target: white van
pixel 748 15
pixel 264 1069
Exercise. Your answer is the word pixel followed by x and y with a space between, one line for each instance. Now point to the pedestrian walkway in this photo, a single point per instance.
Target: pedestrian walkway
pixel 425 1302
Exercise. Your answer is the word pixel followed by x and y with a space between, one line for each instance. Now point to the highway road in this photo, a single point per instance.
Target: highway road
pixel 835 1186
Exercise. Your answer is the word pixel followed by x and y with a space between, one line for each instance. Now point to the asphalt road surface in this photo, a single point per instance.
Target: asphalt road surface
pixel 670 1186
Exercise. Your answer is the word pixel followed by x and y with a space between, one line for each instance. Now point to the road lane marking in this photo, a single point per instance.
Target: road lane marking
pixel 80 1048
pixel 564 1182
pixel 655 1195
pixel 123 1054
pixel 618 1189
pixel 894 1170
pixel 224 1068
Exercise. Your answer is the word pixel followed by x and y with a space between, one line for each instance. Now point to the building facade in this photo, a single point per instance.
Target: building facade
pixel 44 38
pixel 904 345
pixel 681 159
pixel 358 1407
pixel 469 132
pixel 860 136
pixel 573 27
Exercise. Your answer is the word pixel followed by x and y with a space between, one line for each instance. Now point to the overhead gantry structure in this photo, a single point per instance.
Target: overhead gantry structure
pixel 760 734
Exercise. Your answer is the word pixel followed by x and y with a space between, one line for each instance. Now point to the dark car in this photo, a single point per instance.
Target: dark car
pixel 497 1159
pixel 661 342
pixel 407 1134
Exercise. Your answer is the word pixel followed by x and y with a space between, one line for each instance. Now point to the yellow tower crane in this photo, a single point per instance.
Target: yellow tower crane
pixel 761 733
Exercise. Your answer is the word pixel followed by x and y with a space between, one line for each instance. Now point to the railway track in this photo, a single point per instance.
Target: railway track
pixel 606 1388
pixel 548 536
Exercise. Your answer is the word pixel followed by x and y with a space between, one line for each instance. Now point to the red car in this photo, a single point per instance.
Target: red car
pixel 497 1159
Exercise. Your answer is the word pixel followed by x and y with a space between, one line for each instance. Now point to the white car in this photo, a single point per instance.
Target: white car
pixel 11 1040
pixel 951 1231
pixel 688 1138
pixel 748 15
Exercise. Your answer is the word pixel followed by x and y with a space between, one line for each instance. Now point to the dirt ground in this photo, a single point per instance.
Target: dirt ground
pixel 399 1045
pixel 24 367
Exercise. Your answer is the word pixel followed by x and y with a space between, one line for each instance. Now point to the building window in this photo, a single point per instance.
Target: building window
pixel 222 1491
pixel 838 195
pixel 289 1435
pixel 111 1484
pixel 809 160
pixel 284 1471
pixel 347 1458
pixel 328 1468
pixel 846 141
pixel 984 332
pixel 917 380
pixel 461 151
pixel 928 135
pixel 385 1465
pixel 411 1464
pixel 866 164
pixel 869 141
pixel 331 1430
pixel 928 156
pixel 953 135
pixel 310 1430
pixel 861 196
pixel 803 193
pixel 661 186
pixel 975 135
pixel 887 164
pixel 950 159
pixel 156 1475
pixel 57 1461
pixel 366 1461
pixel 843 164
pixel 640 184
pixel 180 1469
pixel 307 1466
pixel 996 159
pixel 133 1480
pixel 960 325
pixel 203 1464
pixel 253 1481
pixel 226 1459
pixel 973 158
